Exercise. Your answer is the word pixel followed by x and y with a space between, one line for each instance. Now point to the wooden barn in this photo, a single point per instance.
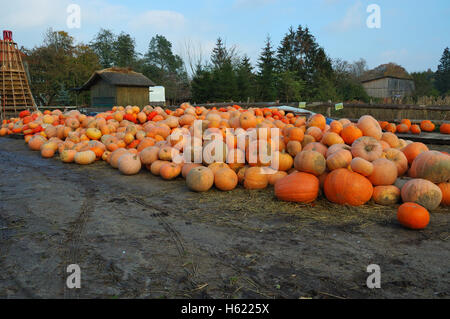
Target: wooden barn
pixel 118 86
pixel 388 81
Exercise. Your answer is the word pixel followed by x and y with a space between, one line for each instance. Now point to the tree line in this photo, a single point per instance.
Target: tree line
pixel 298 69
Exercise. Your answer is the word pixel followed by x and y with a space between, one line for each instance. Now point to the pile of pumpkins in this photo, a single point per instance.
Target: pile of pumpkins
pixel 406 126
pixel 349 163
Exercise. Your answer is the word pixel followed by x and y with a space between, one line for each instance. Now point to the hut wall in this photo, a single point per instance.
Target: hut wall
pixel 377 88
pixel 132 96
pixel 389 87
pixel 103 94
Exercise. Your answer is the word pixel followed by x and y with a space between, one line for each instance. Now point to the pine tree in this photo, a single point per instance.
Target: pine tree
pixel 124 51
pixel 245 80
pixel 443 73
pixel 103 46
pixel 266 74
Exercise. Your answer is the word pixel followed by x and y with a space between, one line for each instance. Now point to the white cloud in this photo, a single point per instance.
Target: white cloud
pixel 159 19
pixel 353 19
pixel 252 3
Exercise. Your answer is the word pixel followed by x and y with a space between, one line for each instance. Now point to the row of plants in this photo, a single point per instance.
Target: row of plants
pixel 349 163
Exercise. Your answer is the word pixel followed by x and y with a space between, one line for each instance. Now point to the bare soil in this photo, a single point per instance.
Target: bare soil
pixel 142 237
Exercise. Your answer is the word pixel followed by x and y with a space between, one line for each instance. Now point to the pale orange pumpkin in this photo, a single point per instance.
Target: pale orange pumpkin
pixel 310 162
pixel 225 179
pixel 200 179
pixel 339 159
pixel 85 158
pixel 170 171
pixel 149 155
pixel 114 159
pixel 384 172
pixel 361 166
pixel 386 195
pixel 255 178
pixel 129 164
pixel 422 192
pixel 399 159
pixel 367 148
pixel 155 167
pixel 370 127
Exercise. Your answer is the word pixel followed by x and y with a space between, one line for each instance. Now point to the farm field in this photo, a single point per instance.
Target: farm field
pixel 140 236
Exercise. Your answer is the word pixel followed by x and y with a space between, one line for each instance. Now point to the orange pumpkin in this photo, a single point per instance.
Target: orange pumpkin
pixel 415 129
pixel 399 159
pixel 345 187
pixel 367 148
pixel 370 127
pixel 445 128
pixel 214 167
pixel 170 171
pixel 317 120
pixel 384 172
pixel 412 150
pixel 317 147
pixel 339 159
pixel 402 128
pixel 427 126
pixel 386 195
pixel 361 166
pixel 297 187
pixel 310 162
pixel 315 132
pixel 114 159
pixel 255 178
pixel 200 179
pixel 350 134
pixel 149 155
pixel 413 216
pixel 247 120
pixel 155 167
pixel 85 158
pixel 337 147
pixel 282 161
pixel 225 179
pixel 422 192
pixel 275 176
pixel 331 138
pixel 294 147
pixel 445 189
pixel 390 138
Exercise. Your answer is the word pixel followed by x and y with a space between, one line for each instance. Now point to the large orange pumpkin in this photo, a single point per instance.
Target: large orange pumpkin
pixel 345 187
pixel 317 120
pixel 413 216
pixel 431 165
pixel 422 192
pixel 297 187
pixel 367 148
pixel 255 178
pixel 350 134
pixel 170 171
pixel 310 162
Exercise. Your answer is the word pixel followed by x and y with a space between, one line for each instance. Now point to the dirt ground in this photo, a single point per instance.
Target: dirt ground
pixel 141 237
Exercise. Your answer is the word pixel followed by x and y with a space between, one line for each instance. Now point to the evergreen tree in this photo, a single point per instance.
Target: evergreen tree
pixel 201 85
pixel 443 73
pixel 266 75
pixel 224 79
pixel 424 83
pixel 245 80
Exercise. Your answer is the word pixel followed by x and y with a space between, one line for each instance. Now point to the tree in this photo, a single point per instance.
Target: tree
pixel 348 85
pixel 160 55
pixel 201 84
pixel 124 51
pixel 443 73
pixel 103 46
pixel 424 83
pixel 245 79
pixel 57 66
pixel 290 87
pixel 266 74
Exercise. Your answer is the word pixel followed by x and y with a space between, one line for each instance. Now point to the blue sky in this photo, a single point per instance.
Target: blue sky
pixel 413 33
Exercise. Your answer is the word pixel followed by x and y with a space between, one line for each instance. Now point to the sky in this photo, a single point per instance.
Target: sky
pixel 412 33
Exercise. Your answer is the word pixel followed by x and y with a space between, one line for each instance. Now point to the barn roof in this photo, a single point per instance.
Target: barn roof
pixel 390 70
pixel 118 77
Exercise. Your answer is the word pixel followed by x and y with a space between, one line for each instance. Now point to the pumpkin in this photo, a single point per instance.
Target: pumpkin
pixel 413 216
pixel 386 195
pixel 247 120
pixel 402 128
pixel 431 165
pixel 48 150
pixel 412 150
pixel 427 126
pixel 307 139
pixel 297 187
pixel 155 167
pixel 345 187
pixel 310 162
pixel 422 192
pixel 335 148
pixel 295 134
pixel 67 156
pixel 114 159
pixel 390 138
pixel 293 148
pixel 214 167
pixel 318 147
pixel 384 172
pixel 339 159
pixel 445 189
pixel 367 148
pixel 282 161
pixel 93 133
pixel 370 127
pixel 255 178
pixel 225 179
pixel 445 128
pixel 336 127
pixel 149 155
pixel 415 129
pixel 399 159
pixel 129 164
pixel 317 120
pixel 275 176
pixel 200 179
pixel 167 153
pixel 315 132
pixel 85 158
pixel 331 138
pixel 187 167
pixel 36 142
pixel 241 174
pixel 170 171
pixel 236 159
